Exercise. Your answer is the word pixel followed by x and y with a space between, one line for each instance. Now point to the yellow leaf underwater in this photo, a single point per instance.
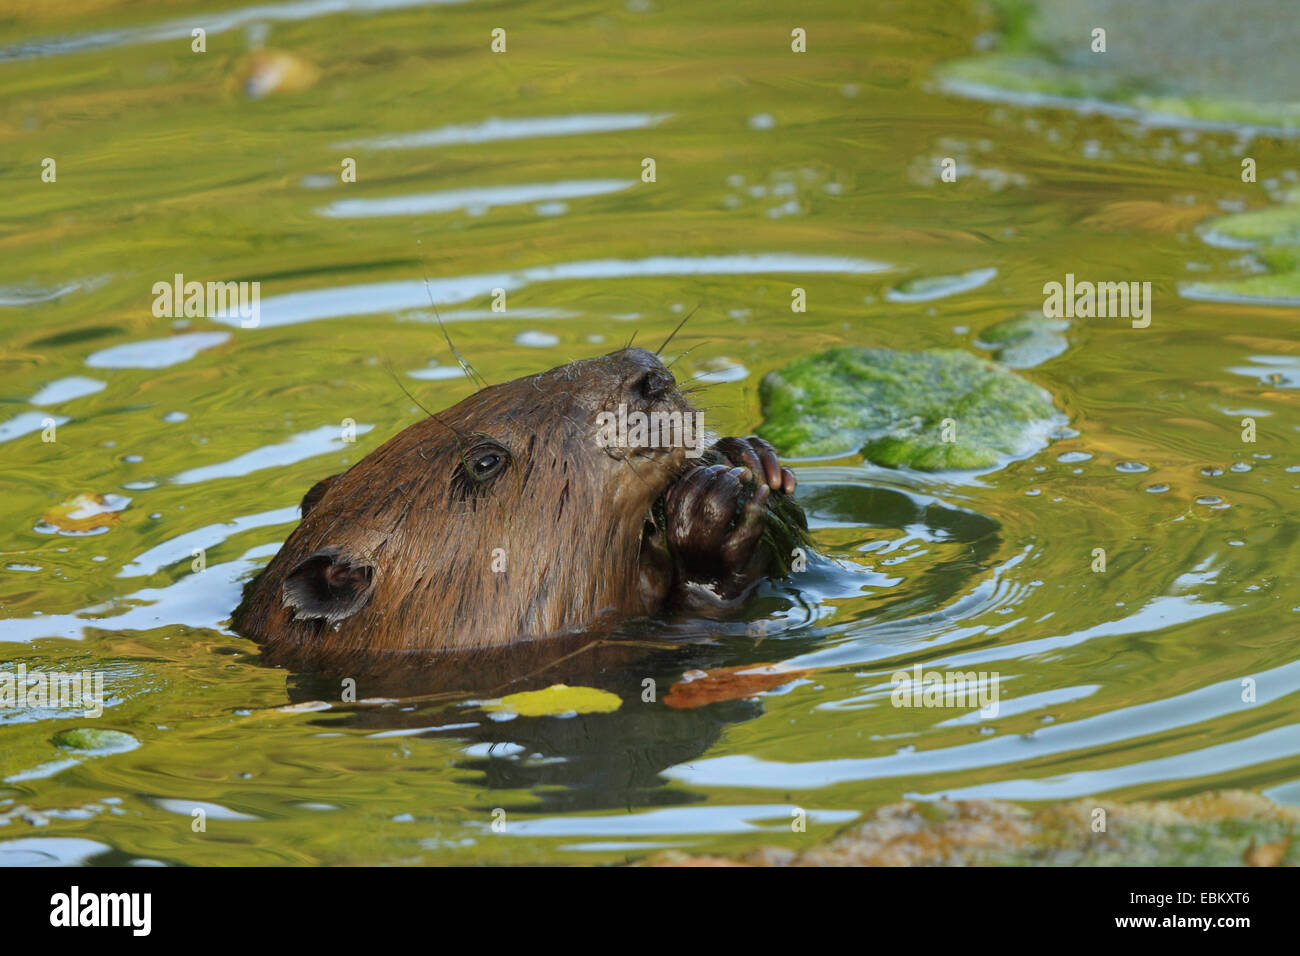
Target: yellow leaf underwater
pixel 86 513
pixel 557 699
pixel 264 72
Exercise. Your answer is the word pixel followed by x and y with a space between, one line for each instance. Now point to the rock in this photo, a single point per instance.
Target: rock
pixel 1223 828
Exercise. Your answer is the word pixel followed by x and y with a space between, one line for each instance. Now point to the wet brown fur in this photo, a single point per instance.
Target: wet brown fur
pixel 569 515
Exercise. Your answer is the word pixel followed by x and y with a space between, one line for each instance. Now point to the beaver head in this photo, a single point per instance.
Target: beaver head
pixel 509 516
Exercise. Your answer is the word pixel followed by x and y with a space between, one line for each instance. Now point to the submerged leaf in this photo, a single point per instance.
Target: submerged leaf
pixel 86 513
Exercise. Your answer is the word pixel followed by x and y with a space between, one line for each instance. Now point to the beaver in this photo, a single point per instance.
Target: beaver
pixel 511 516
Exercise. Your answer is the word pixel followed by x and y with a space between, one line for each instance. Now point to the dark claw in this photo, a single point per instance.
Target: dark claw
pixel 761 459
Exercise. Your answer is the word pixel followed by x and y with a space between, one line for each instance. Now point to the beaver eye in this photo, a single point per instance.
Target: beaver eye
pixel 481 462
pixel 487 464
pixel 484 460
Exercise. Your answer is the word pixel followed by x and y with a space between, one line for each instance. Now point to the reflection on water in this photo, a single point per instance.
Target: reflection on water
pixel 520 176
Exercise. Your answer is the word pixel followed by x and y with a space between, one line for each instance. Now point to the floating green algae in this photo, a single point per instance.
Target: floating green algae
pixel 94 740
pixel 1180 73
pixel 931 411
pixel 1025 341
pixel 1273 235
pixel 927 288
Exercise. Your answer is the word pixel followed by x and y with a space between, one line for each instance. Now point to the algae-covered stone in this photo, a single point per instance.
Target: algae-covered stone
pixel 925 410
pixel 1025 341
pixel 94 740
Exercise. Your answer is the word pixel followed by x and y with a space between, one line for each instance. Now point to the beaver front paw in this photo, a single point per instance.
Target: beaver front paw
pixel 760 458
pixel 716 514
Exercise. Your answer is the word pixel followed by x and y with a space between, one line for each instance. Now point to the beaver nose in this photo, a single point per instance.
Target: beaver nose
pixel 654 384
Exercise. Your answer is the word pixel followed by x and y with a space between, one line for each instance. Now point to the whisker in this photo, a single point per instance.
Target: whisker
pixel 676 330
pixel 400 384
pixel 714 371
pixel 687 352
pixel 468 369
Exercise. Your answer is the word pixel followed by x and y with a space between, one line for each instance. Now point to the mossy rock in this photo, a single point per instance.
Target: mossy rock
pixel 1025 341
pixel 930 411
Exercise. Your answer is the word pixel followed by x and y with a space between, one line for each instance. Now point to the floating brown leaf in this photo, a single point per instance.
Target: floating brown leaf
pixel 697 688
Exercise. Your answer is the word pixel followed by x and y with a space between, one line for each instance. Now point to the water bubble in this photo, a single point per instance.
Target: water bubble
pixel 1157 489
pixel 1131 467
pixel 1070 457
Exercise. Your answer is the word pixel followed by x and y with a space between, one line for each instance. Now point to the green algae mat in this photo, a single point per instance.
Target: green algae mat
pixel 930 411
pixel 1168 62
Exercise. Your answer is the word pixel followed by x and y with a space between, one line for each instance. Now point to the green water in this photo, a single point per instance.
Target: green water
pixel 1127 683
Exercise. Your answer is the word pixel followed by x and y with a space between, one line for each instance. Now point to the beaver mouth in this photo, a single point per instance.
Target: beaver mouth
pixel 655 434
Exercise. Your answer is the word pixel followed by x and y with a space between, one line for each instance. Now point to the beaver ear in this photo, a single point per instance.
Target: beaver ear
pixel 316 494
pixel 329 585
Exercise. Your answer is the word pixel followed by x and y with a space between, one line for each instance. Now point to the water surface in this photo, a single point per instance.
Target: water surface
pixel 522 172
